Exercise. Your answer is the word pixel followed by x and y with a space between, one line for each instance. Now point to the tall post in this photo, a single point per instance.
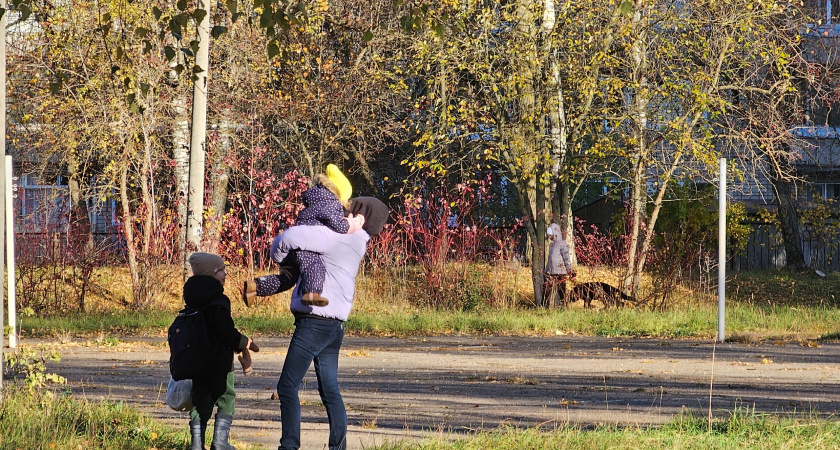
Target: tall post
pixel 198 134
pixel 2 172
pixel 10 255
pixel 722 251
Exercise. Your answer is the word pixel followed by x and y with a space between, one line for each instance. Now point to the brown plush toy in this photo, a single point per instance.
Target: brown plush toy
pixel 245 358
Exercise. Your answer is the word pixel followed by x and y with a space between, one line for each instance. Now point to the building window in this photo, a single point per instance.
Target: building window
pixel 823 191
pixel 825 11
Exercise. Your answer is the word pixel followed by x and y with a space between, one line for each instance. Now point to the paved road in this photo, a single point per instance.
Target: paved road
pixel 425 387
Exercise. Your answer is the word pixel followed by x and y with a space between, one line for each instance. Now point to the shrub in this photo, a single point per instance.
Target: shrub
pixel 30 365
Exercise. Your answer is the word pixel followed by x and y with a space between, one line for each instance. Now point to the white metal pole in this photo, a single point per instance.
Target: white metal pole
pixel 2 152
pixel 722 251
pixel 10 255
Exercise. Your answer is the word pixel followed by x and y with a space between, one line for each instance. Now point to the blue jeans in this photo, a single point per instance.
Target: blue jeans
pixel 319 341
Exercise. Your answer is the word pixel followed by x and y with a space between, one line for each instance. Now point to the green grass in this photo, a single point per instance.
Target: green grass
pixel 741 430
pixel 757 321
pixel 743 322
pixel 113 322
pixel 760 305
pixel 42 420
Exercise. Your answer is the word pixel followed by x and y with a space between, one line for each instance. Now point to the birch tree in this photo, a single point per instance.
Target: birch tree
pixel 527 78
pixel 680 64
pixel 97 113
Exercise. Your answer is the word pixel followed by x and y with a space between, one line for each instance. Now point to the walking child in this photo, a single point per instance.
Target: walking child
pixel 205 290
pixel 324 204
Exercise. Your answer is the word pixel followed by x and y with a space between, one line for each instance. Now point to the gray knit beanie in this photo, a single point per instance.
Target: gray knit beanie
pixel 206 263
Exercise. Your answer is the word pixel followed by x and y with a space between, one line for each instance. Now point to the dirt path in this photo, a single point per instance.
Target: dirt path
pixel 413 388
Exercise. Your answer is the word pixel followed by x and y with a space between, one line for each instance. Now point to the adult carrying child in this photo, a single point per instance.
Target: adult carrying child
pixel 325 203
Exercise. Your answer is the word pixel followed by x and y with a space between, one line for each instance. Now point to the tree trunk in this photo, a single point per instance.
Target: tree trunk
pixel 560 198
pixel 79 214
pixel 568 224
pixel 128 221
pixel 664 181
pixel 181 156
pixel 638 197
pixel 789 224
pixel 638 165
pixel 535 228
pixel 198 133
pixel 219 175
pixel 525 127
pixel 148 195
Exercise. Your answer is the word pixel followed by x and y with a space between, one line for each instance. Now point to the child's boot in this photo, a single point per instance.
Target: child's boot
pixel 249 291
pixel 221 433
pixel 197 431
pixel 314 299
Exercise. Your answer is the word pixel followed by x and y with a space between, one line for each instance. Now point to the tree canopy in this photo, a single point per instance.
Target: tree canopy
pixel 544 97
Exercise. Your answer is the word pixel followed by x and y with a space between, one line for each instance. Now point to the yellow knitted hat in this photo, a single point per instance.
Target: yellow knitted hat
pixel 345 190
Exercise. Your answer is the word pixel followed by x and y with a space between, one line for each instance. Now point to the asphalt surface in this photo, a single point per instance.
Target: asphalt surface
pixel 427 388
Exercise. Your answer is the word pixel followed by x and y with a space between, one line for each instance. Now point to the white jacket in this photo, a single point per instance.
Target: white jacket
pixel 559 262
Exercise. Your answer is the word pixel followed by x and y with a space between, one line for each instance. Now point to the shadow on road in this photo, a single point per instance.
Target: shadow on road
pixel 456 384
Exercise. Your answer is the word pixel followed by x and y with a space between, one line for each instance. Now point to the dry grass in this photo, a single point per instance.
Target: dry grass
pixel 503 286
pixel 461 286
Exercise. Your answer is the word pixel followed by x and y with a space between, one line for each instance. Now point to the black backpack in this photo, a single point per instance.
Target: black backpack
pixel 190 351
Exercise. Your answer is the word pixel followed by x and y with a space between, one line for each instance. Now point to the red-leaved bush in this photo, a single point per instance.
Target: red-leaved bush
pixel 596 249
pixel 434 226
pixel 256 217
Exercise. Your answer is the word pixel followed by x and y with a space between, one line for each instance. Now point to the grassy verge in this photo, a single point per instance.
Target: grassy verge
pixel 742 430
pixel 44 421
pixel 760 305
pixel 744 322
pixel 765 305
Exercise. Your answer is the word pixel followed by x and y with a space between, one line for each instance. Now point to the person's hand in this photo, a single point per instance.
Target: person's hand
pixel 245 361
pixel 356 223
pixel 353 224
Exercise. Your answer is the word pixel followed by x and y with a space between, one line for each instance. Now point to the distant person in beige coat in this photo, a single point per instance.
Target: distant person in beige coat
pixel 559 268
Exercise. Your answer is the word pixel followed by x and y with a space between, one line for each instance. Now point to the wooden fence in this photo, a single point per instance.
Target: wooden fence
pixel 765 250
